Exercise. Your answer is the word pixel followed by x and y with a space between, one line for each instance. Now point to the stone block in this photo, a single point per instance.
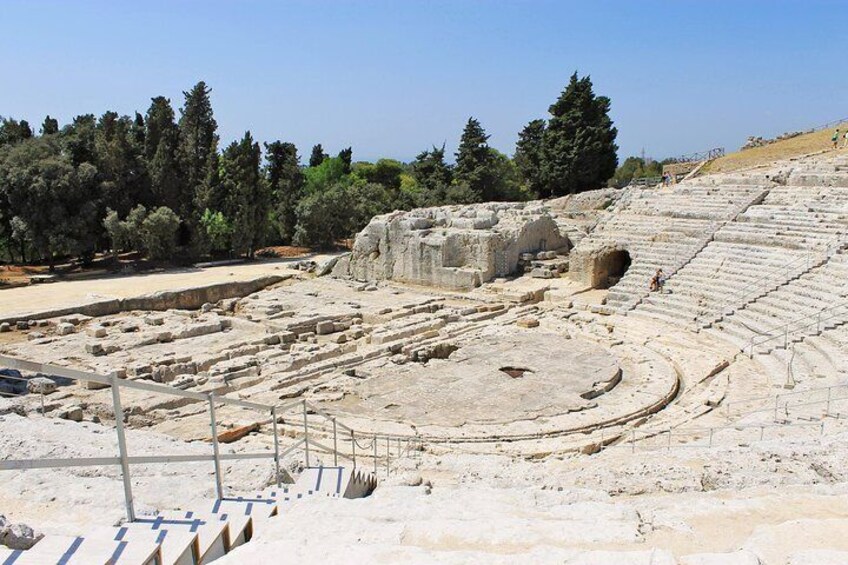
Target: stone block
pixel 17 536
pixel 65 328
pixel 324 328
pixel 41 385
pixel 5 327
pixel 73 413
pixel 527 323
pixel 96 331
pixel 22 325
pixel 94 349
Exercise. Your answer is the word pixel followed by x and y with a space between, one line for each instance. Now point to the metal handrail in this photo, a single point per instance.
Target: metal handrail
pixel 783 330
pixel 631 438
pixel 707 155
pixel 125 460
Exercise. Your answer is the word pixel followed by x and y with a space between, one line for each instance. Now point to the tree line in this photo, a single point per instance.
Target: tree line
pixel 159 183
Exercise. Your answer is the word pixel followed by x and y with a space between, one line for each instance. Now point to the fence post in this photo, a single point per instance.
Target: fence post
pixel 353 446
pixel 388 454
pixel 669 439
pixel 276 447
pixel 122 448
pixel 827 406
pixel 218 487
pixel 711 437
pixel 633 441
pixel 335 445
pixel 306 434
pixel 762 429
pixel 375 455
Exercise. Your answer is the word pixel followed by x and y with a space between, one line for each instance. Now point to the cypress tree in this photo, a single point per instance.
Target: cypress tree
pixel 161 139
pixel 528 156
pixel 50 126
pixel 474 163
pixel 579 150
pixel 433 174
pixel 198 147
pixel 246 197
pixel 346 155
pixel 285 186
pixel 317 157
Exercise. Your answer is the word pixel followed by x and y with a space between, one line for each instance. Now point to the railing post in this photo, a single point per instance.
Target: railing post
pixel 353 446
pixel 388 454
pixel 711 437
pixel 219 489
pixel 335 445
pixel 762 429
pixel 633 441
pixel 276 447
pixel 122 448
pixel 306 434
pixel 669 440
pixel 375 455
pixel 827 406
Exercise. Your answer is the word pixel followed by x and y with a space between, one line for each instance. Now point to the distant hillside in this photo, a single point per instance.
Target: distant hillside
pixel 788 148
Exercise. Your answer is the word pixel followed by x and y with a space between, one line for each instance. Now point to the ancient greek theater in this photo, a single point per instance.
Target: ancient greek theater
pixel 503 361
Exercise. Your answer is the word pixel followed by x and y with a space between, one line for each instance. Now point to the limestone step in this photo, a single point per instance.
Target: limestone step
pixel 69 550
pixel 177 547
pixel 213 536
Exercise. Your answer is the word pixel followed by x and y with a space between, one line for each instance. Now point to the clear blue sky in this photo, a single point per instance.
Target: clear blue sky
pixel 391 78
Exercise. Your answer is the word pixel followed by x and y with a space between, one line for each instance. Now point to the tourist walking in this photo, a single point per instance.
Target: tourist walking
pixel 835 138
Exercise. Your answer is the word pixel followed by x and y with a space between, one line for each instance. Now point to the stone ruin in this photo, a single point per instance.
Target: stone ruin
pixel 454 247
pixel 520 343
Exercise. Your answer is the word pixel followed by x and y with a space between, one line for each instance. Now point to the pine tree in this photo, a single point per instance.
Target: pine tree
pixel 285 186
pixel 317 157
pixel 528 156
pixel 579 150
pixel 474 164
pixel 198 148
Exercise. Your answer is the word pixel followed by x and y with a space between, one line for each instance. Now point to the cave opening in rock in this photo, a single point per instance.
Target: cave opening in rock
pixel 610 267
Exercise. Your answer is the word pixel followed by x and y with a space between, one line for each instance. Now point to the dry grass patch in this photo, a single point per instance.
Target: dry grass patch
pixel 759 156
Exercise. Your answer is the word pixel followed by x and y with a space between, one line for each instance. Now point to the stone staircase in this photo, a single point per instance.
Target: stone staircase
pixel 192 536
pixel 768 246
pixel 665 228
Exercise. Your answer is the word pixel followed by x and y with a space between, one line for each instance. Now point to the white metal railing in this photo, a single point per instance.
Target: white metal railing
pixel 676 438
pixel 788 331
pixel 405 445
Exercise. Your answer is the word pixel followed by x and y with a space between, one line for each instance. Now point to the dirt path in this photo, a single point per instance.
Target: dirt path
pixel 72 293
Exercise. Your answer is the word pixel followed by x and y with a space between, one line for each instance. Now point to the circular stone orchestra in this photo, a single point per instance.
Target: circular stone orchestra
pixel 498 377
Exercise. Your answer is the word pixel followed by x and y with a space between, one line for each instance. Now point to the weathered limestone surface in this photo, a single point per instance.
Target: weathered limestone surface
pixel 188 298
pixel 457 247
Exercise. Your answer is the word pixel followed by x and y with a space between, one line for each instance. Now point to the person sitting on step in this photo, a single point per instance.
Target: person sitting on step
pixel 657 281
